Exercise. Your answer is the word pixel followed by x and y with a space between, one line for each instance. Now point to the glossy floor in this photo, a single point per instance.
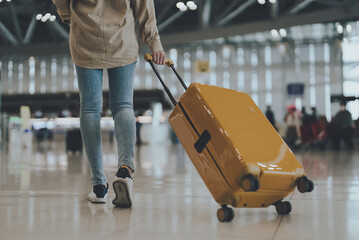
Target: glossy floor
pixel 43 196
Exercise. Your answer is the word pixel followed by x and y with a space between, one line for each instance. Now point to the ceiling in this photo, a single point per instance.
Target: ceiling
pixel 212 19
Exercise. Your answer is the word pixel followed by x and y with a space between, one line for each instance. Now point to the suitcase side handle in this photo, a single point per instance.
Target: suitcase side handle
pixel 202 141
pixel 148 58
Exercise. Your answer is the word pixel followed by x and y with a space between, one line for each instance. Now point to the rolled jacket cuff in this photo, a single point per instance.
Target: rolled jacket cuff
pixel 155 45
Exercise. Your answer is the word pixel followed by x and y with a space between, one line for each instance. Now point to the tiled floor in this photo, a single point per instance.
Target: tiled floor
pixel 43 196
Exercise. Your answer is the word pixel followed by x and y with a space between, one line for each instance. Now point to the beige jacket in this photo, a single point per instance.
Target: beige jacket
pixel 103 32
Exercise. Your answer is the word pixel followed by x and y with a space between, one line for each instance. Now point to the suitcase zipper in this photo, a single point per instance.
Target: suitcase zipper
pixel 195 129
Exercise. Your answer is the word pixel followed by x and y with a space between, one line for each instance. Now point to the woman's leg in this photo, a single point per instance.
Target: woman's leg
pixel 121 104
pixel 90 86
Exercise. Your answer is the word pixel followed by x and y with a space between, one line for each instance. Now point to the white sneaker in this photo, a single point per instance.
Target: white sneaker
pixel 122 186
pixel 98 194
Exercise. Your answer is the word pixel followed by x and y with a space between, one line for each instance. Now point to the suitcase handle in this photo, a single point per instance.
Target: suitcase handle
pixel 148 58
pixel 170 64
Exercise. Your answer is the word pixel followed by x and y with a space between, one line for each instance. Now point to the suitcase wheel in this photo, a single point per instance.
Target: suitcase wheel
pixel 250 183
pixel 305 185
pixel 283 207
pixel 225 214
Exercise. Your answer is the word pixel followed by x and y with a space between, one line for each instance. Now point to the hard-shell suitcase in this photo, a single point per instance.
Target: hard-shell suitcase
pixel 237 152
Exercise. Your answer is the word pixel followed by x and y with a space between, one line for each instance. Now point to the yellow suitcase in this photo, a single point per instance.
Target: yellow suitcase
pixel 237 152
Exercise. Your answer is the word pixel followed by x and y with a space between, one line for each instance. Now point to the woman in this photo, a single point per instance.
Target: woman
pixel 103 36
pixel 292 120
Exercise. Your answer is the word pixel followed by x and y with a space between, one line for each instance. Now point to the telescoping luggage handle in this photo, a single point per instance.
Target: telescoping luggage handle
pixel 204 138
pixel 169 63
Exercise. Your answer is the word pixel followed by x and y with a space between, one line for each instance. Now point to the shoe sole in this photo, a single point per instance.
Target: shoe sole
pixel 122 198
pixel 98 200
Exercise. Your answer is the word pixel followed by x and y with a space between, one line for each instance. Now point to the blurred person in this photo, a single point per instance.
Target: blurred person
pixel 270 116
pixel 341 128
pixel 321 127
pixel 306 127
pixel 292 121
pixel 103 36
pixel 314 115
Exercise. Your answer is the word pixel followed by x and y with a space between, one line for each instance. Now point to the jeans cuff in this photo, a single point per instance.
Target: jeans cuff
pixel 128 163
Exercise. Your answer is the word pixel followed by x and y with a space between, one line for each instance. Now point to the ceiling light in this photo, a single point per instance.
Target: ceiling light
pixel 180 5
pixel 47 15
pixel 272 1
pixel 183 8
pixel 283 32
pixel 38 16
pixel 340 29
pixel 349 28
pixel 52 18
pixel 8 0
pixel 262 1
pixel 43 19
pixel 191 5
pixel 0 1
pixel 274 33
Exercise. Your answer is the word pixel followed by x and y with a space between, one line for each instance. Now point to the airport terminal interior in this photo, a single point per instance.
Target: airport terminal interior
pixel 297 60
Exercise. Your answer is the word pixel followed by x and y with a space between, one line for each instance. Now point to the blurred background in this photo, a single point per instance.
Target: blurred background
pixel 282 53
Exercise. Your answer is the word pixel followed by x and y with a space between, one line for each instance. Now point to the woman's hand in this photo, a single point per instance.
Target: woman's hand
pixel 159 57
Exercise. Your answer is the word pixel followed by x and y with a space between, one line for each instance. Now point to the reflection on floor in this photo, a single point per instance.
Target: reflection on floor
pixel 43 196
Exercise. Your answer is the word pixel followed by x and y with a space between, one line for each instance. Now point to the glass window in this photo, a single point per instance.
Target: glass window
pixel 187 61
pixel 254 58
pixel 212 59
pixel 350 51
pixel 328 112
pixel 311 54
pixel 174 56
pixel 255 98
pixel 226 53
pixel 21 77
pixel 9 75
pixel 312 96
pixel 268 80
pixel 254 82
pixel 240 56
pixel 199 53
pixel 213 78
pixel 269 99
pixel 326 53
pixel 187 78
pixel 298 103
pixel 268 55
pixel 65 66
pixel 241 81
pixel 226 80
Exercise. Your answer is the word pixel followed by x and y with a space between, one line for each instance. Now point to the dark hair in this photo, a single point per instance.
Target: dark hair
pixel 343 103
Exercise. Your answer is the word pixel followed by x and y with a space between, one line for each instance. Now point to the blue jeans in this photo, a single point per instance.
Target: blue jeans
pixel 121 105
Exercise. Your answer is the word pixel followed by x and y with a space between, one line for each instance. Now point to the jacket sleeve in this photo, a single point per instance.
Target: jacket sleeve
pixel 63 9
pixel 144 11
